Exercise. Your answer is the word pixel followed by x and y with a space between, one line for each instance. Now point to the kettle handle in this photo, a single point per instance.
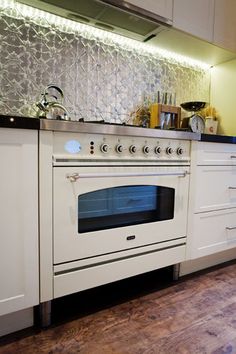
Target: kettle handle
pixel 56 88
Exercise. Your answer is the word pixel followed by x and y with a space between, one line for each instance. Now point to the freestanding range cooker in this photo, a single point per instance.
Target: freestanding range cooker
pixel 113 203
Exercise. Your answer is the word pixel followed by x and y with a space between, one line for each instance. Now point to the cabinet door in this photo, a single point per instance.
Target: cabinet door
pixel 18 220
pixel 216 188
pixel 211 233
pixel 225 24
pixel 158 7
pixel 195 17
pixel 213 154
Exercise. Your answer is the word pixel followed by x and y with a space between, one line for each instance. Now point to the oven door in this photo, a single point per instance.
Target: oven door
pixel 100 210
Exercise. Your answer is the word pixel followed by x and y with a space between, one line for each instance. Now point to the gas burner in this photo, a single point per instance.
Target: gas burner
pixel 101 121
pixel 171 129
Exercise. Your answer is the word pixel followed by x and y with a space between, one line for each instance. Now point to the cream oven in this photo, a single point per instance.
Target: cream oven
pixel 117 199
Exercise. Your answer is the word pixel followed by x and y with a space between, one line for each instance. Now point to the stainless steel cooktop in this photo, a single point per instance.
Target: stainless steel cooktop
pixel 102 127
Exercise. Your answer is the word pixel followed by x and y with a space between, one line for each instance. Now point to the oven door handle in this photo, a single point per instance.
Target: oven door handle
pixel 75 176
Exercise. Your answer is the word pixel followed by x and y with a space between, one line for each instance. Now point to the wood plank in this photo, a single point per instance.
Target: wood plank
pixel 195 315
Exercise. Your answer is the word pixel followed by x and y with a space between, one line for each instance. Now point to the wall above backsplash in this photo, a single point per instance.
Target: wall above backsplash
pixel 103 76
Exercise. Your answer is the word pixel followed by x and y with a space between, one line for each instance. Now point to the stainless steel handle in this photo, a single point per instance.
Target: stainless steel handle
pixel 230 187
pixel 74 176
pixel 230 227
pixel 233 156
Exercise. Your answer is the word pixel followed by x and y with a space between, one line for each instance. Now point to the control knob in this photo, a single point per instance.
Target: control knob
pixel 157 150
pixel 119 148
pixel 146 149
pixel 132 149
pixel 179 151
pixel 169 150
pixel 104 148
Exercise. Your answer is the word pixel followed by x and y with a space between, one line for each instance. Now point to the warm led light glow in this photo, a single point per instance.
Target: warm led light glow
pixel 46 19
pixel 7 3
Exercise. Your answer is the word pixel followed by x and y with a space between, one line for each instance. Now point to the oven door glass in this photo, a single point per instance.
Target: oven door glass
pixel 110 208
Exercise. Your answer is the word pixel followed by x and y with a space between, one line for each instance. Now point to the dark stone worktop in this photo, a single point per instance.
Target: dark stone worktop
pixel 19 122
pixel 211 138
pixel 9 121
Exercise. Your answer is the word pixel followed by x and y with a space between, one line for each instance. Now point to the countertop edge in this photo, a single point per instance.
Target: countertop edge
pixel 212 138
pixel 11 121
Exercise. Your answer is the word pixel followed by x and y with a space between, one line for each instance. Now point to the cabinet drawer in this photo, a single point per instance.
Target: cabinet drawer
pixel 217 188
pixel 211 233
pixel 214 153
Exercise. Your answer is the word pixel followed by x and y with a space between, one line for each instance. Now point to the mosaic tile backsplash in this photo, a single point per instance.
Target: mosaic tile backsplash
pixel 100 78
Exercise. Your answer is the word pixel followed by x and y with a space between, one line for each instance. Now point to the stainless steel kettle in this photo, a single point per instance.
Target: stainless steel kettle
pixel 49 107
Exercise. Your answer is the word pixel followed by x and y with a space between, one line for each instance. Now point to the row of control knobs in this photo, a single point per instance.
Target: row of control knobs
pixel 146 149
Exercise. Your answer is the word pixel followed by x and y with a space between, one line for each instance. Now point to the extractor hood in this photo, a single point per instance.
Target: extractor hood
pixel 117 16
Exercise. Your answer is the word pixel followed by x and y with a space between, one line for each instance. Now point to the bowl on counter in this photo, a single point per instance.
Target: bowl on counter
pixel 193 106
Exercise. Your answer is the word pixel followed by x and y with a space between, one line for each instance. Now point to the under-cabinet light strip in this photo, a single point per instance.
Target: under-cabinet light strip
pixel 69 26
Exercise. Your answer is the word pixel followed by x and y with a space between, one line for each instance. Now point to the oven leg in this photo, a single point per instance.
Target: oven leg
pixel 45 314
pixel 176 269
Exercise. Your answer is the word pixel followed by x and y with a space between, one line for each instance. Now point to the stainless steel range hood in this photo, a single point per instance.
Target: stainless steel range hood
pixel 113 15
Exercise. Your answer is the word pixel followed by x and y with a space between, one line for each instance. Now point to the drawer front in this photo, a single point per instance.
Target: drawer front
pixel 216 188
pixel 215 154
pixel 210 233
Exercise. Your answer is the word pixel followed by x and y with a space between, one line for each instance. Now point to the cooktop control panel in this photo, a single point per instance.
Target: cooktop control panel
pixel 102 147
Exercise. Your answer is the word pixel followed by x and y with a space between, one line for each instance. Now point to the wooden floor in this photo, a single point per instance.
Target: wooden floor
pixel 194 315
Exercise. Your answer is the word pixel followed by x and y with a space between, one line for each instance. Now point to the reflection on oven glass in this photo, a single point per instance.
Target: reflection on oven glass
pixel 124 206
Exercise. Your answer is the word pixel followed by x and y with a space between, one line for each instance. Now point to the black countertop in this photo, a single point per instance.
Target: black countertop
pixel 19 122
pixel 212 138
pixel 10 121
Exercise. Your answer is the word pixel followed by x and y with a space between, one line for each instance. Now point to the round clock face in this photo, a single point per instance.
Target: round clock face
pixel 197 124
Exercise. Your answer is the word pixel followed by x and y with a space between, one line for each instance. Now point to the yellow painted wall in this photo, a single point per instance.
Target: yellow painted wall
pixel 223 96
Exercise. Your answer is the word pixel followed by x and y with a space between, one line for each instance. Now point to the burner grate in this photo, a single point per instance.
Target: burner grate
pixel 102 121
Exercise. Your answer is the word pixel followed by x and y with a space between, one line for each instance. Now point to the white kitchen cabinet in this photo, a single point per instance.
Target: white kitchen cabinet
pixel 212 203
pixel 19 277
pixel 218 188
pixel 225 24
pixel 162 8
pixel 215 155
pixel 213 232
pixel 195 17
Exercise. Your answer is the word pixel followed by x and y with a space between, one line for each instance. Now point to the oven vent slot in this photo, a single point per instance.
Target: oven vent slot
pixel 90 161
pixel 64 160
